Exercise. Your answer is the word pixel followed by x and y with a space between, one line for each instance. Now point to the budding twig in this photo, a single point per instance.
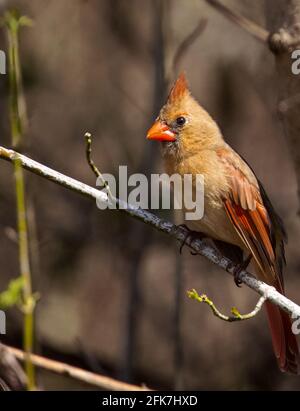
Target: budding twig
pixel 96 171
pixel 236 315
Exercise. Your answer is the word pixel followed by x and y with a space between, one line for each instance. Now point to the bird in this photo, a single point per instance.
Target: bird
pixel 238 215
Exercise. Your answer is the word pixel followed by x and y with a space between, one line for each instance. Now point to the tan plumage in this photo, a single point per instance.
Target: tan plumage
pixel 237 210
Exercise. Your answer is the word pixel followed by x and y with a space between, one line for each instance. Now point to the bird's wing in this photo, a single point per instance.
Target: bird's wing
pixel 261 230
pixel 247 212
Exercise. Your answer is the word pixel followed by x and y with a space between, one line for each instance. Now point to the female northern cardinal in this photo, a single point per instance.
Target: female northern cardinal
pixel 237 210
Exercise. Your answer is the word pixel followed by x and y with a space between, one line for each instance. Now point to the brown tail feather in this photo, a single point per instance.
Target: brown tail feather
pixel 285 344
pixel 284 341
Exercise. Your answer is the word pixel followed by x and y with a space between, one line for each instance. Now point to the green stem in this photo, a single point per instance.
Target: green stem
pixel 28 345
pixel 16 97
pixel 17 110
pixel 28 299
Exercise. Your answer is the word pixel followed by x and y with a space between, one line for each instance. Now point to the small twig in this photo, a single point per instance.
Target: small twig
pixel 236 315
pixel 252 28
pixel 88 139
pixel 94 168
pixel 184 46
pixel 87 377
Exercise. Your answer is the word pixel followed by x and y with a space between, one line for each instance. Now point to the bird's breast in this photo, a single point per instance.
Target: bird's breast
pixel 215 222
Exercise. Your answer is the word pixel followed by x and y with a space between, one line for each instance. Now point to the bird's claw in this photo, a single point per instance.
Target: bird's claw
pixel 190 234
pixel 184 242
pixel 239 269
pixel 236 276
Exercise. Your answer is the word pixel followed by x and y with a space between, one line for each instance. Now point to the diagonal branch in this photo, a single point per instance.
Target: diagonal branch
pixel 185 45
pixel 252 28
pixel 101 381
pixel 177 232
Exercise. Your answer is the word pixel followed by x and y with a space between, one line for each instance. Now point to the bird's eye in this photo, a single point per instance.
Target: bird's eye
pixel 180 121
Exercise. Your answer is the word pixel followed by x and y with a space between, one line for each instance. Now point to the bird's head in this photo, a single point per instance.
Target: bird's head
pixel 182 123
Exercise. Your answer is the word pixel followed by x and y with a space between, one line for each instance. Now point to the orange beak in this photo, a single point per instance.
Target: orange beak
pixel 160 132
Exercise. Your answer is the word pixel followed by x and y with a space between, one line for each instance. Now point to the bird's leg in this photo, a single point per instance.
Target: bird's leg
pixel 190 234
pixel 239 268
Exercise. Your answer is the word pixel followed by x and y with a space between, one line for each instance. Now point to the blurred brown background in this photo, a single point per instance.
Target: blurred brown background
pixel 108 284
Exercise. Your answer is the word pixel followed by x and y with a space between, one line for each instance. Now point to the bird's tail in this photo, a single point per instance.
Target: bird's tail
pixel 284 341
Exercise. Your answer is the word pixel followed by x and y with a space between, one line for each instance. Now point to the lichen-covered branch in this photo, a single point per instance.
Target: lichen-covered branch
pixel 179 233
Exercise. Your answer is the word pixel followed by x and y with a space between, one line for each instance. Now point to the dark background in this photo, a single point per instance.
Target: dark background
pixel 108 284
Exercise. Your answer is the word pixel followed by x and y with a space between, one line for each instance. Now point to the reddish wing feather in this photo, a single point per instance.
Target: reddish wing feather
pixel 246 210
pixel 250 217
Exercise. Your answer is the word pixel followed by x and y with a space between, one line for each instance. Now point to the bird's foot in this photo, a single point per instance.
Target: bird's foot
pixel 192 235
pixel 241 267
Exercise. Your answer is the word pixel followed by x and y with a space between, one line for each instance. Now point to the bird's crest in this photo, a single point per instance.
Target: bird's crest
pixel 179 90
